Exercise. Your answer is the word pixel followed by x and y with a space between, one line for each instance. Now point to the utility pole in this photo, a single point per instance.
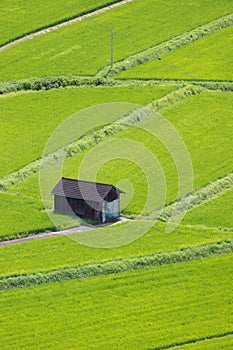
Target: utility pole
pixel 111 48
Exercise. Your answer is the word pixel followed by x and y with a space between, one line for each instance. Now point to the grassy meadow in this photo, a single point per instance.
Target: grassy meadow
pixel 130 305
pixel 83 48
pixel 208 58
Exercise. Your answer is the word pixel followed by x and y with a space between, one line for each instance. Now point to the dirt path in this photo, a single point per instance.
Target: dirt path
pixel 81 228
pixel 64 24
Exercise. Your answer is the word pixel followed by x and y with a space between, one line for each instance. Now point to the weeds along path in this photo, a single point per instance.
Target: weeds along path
pixel 64 24
pixel 117 266
pixel 98 136
pixel 173 44
pixel 49 83
pixel 194 199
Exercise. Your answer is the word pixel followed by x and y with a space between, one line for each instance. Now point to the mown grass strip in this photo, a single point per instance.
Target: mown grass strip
pixel 212 85
pixel 59 82
pixel 97 10
pixel 167 46
pixel 117 266
pixel 49 83
pixel 98 136
pixel 194 199
pixel 193 341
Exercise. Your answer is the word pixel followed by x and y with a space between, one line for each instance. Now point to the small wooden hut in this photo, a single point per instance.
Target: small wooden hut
pixel 90 200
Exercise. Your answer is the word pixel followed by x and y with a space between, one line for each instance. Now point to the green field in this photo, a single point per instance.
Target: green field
pixel 83 48
pixel 215 213
pixel 19 18
pixel 154 288
pixel 44 111
pixel 119 310
pixel 58 252
pixel 191 118
pixel 206 59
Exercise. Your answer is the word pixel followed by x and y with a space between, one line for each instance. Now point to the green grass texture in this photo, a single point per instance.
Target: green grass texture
pixel 84 48
pixel 146 309
pixel 65 251
pixel 215 213
pixel 28 120
pixel 208 58
pixel 19 17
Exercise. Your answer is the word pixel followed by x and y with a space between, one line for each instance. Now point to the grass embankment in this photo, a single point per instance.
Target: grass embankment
pixel 206 59
pixel 19 18
pixel 83 48
pixel 171 305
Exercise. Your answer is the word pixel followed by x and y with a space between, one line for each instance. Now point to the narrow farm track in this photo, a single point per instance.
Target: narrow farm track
pixel 64 24
pixel 68 231
pixel 195 341
pixel 81 228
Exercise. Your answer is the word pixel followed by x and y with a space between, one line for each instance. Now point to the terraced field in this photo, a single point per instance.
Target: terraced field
pixel 150 289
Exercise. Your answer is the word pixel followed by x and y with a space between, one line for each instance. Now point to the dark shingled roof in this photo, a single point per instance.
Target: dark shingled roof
pixel 79 189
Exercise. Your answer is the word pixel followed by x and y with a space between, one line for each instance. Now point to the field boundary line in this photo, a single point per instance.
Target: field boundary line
pixel 194 341
pixel 98 136
pixel 59 82
pixel 192 200
pixel 48 29
pixel 117 266
pixel 159 50
pixel 212 85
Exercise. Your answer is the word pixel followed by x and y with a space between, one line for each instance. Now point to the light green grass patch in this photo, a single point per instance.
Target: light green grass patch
pixel 153 308
pixel 83 48
pixel 205 124
pixel 58 252
pixel 206 59
pixel 21 215
pixel 19 17
pixel 215 213
pixel 28 120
